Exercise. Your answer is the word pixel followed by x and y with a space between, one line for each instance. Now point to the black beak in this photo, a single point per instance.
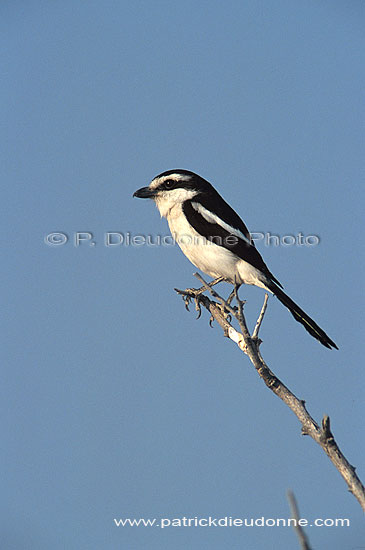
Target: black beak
pixel 144 193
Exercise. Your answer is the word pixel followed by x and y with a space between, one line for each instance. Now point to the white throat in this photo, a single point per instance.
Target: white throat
pixel 167 200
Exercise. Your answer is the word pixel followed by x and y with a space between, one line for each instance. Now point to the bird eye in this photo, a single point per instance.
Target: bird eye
pixel 168 184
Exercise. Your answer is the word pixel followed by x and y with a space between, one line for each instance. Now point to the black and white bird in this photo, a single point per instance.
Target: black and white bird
pixel 215 239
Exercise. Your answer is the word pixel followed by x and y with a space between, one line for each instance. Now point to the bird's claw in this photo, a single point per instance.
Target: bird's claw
pixel 198 307
pixel 186 300
pixel 193 294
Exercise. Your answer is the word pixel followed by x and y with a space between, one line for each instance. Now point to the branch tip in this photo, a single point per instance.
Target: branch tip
pixel 255 333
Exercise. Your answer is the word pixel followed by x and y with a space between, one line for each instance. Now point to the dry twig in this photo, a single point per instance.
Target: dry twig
pixel 221 311
pixel 302 537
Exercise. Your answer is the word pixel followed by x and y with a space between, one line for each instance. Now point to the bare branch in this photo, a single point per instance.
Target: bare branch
pixel 220 310
pixel 302 537
pixel 255 333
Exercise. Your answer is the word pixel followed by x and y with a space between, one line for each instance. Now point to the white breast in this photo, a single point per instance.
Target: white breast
pixel 208 257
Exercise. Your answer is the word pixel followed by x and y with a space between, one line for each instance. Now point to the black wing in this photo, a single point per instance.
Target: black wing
pixel 217 234
pixel 213 202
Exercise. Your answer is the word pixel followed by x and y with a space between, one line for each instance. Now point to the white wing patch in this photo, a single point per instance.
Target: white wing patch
pixel 213 218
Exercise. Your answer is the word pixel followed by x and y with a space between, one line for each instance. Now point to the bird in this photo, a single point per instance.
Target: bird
pixel 215 239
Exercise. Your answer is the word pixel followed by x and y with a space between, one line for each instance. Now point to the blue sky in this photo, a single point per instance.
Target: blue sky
pixel 116 402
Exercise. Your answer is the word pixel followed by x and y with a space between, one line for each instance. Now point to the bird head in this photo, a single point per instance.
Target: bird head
pixel 172 188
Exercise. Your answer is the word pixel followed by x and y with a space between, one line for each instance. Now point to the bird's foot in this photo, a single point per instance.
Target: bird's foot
pixel 197 291
pixel 190 294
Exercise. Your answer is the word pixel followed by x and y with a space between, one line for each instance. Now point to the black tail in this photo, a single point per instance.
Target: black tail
pixel 300 316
